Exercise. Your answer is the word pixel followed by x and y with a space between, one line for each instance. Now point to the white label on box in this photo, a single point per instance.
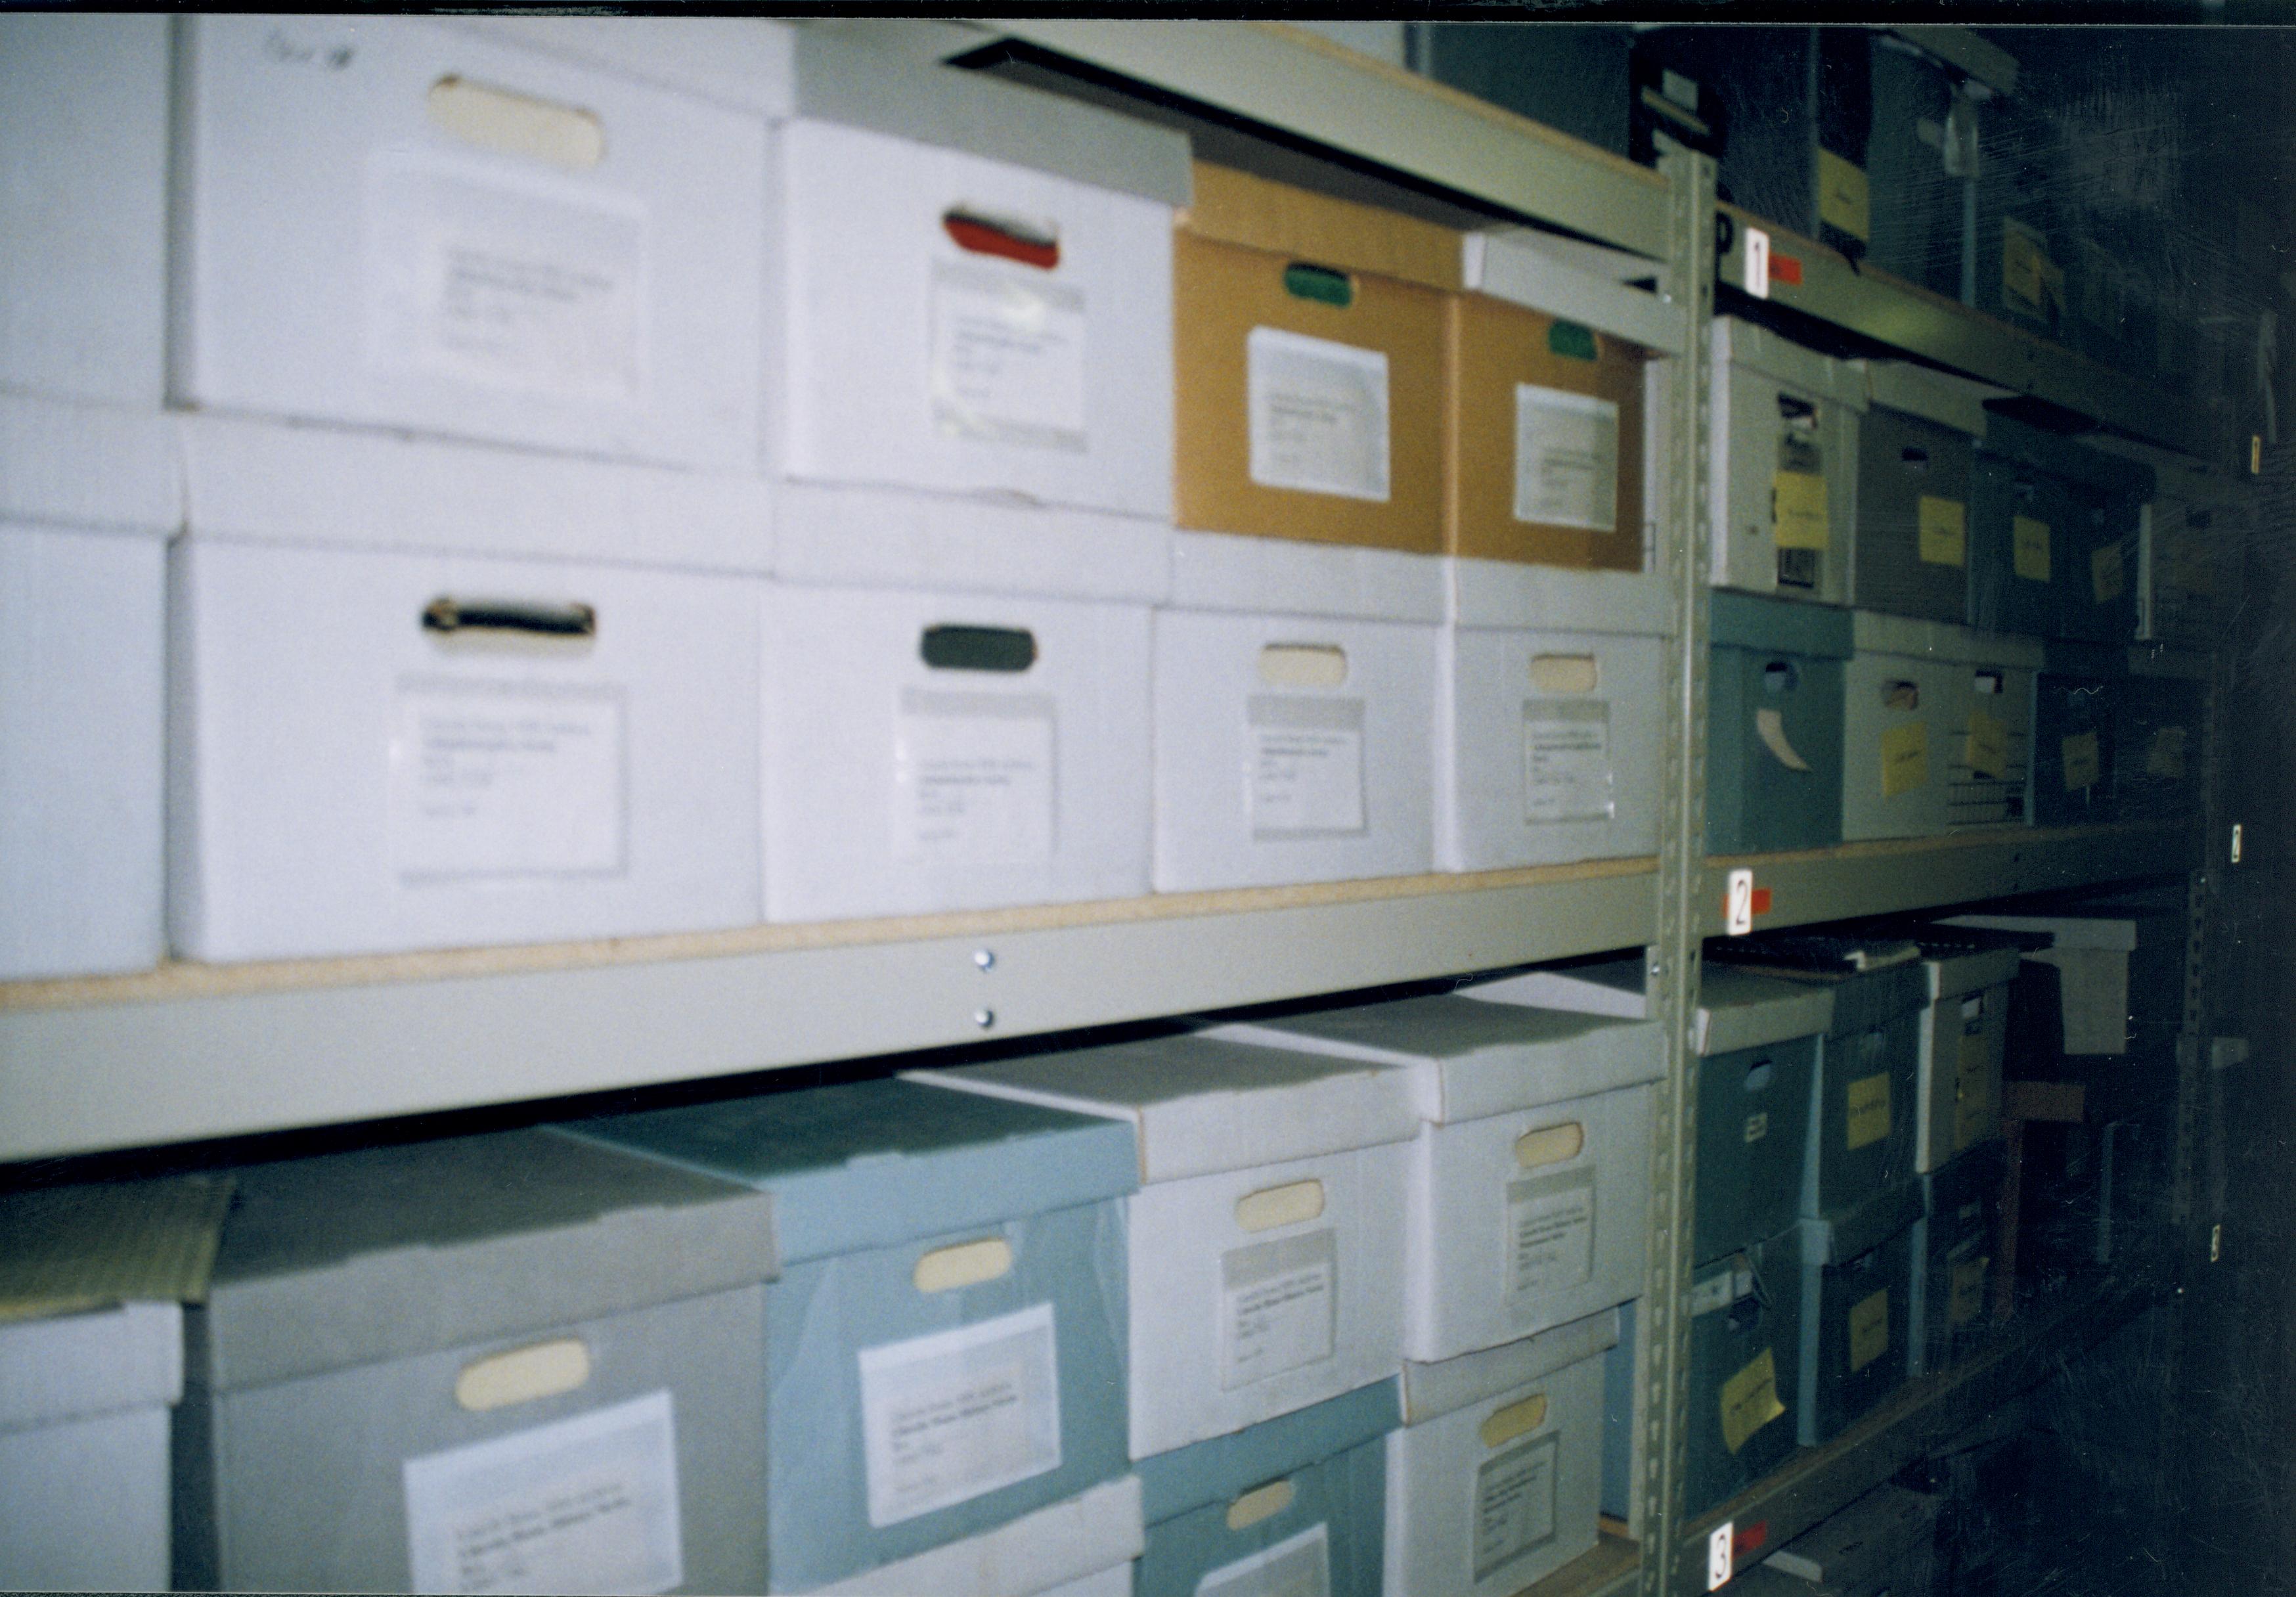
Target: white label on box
pixel 1514 1505
pixel 532 286
pixel 1566 459
pixel 973 778
pixel 1279 1306
pixel 506 778
pixel 1298 1566
pixel 1007 356
pixel 1303 773
pixel 1566 761
pixel 947 1417
pixel 1550 1233
pixel 579 1505
pixel 1318 415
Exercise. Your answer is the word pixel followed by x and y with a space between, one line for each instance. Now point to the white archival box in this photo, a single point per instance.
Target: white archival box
pixel 1964 1032
pixel 85 1403
pixel 1768 392
pixel 1530 1177
pixel 87 496
pixel 1290 749
pixel 83 206
pixel 391 222
pixel 927 751
pixel 374 751
pixel 1287 576
pixel 1494 1480
pixel 1082 1547
pixel 1909 674
pixel 1264 1241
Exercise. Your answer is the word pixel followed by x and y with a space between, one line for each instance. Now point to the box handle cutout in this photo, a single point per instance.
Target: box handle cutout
pixel 514 124
pixel 1288 1205
pixel 1987 681
pixel 1914 457
pixel 1261 1502
pixel 1564 673
pixel 1902 695
pixel 965 1264
pixel 1550 1145
pixel 1007 649
pixel 1781 677
pixel 523 1374
pixel 448 616
pixel 1758 1079
pixel 1010 238
pixel 1320 284
pixel 1797 413
pixel 1303 665
pixel 1515 1419
pixel 2025 489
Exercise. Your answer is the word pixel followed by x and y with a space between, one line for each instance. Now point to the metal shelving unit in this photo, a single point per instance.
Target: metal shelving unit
pixel 191 1052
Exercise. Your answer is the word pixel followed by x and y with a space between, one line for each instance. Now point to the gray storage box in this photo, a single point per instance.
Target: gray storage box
pixel 2053 536
pixel 2020 237
pixel 1774 725
pixel 1951 1277
pixel 1782 477
pixel 1745 1362
pixel 1922 163
pixel 1855 1301
pixel 1757 1070
pixel 410 1357
pixel 1957 1104
pixel 1917 460
pixel 938 1249
pixel 1296 1503
pixel 1862 1121
pixel 2074 772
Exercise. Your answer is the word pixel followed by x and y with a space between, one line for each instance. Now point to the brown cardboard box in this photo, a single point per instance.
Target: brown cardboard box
pixel 1248 257
pixel 1494 346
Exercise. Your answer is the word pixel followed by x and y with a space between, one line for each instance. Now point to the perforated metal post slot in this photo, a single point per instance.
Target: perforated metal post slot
pixel 1032 241
pixel 509 123
pixel 1303 664
pixel 1009 650
pixel 523 1374
pixel 474 620
pixel 1326 285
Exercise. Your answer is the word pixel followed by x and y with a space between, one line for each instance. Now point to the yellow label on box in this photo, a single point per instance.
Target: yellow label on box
pixel 1972 1098
pixel 2030 279
pixel 1944 526
pixel 2107 576
pixel 1989 746
pixel 1798 510
pixel 1869 1330
pixel 2028 548
pixel 1967 1301
pixel 2164 756
pixel 1750 1401
pixel 1869 1109
pixel 2080 762
pixel 1844 201
pixel 1905 758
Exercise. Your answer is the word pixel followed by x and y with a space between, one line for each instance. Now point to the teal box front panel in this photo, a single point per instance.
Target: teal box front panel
pixel 1854 1331
pixel 858 1358
pixel 2000 600
pixel 1753 1131
pixel 1951 1255
pixel 1773 735
pixel 1745 1309
pixel 1863 1125
pixel 1334 1524
pixel 1901 460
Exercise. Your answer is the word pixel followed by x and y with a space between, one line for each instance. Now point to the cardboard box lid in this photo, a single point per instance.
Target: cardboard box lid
pixel 1574 281
pixel 1870 632
pixel 1859 1544
pixel 1431 1389
pixel 2116 931
pixel 1612 987
pixel 2062 456
pixel 745 62
pixel 1039 1553
pixel 1934 396
pixel 877 1163
pixel 1752 621
pixel 1224 1468
pixel 95 1362
pixel 1957 975
pixel 92 467
pixel 1467 1059
pixel 837 78
pixel 1236 207
pixel 1741 344
pixel 67 1249
pixel 383 1252
pixel 1863 1229
pixel 1970 1173
pixel 1738 1010
pixel 1204 1104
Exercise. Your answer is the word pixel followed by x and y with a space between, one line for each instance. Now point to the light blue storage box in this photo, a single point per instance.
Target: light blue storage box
pixel 937 1248
pixel 1864 1113
pixel 1293 1504
pixel 1855 1311
pixel 1618 1419
pixel 1774 724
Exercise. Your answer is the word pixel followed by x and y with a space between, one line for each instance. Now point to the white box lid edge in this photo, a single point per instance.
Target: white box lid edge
pixel 1744 344
pixel 76 1366
pixel 1737 1010
pixel 1552 599
pixel 1073 1538
pixel 1956 975
pixel 94 467
pixel 1281 576
pixel 1875 633
pixel 1516 265
pixel 1440 1388
pixel 1587 995
pixel 1936 396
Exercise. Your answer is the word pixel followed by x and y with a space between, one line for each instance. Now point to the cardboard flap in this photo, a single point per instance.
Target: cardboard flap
pixel 1223 1467
pixel 1236 207
pixel 381 1253
pixel 2070 931
pixel 1204 1104
pixel 1468 1059
pixel 1738 1010
pixel 1863 1229
pixel 1440 1388
pixel 878 1164
pixel 67 1249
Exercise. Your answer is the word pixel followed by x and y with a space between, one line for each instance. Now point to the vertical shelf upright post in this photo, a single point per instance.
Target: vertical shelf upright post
pixel 1684 535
